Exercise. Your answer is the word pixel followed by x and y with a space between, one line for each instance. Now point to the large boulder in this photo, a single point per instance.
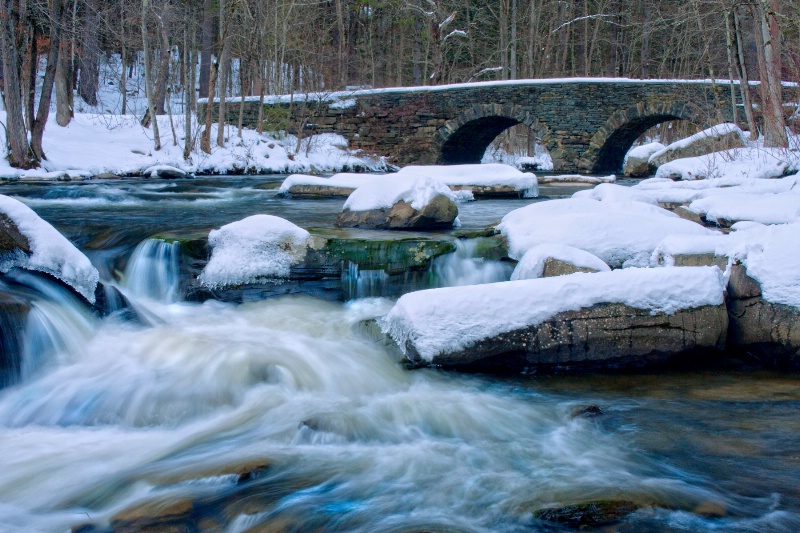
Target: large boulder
pixel 439 213
pixel 637 161
pixel 409 203
pixel 714 139
pixel 630 317
pixel 29 242
pixel 769 330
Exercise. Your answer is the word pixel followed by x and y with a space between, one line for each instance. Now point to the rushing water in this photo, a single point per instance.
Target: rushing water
pixel 110 413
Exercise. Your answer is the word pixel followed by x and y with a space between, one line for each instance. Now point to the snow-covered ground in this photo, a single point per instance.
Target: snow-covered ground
pixel 418 191
pixel 113 144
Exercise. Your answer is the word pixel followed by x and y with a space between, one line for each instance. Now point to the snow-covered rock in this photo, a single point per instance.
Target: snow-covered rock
pixel 713 139
pixel 342 184
pixel 732 206
pixel 492 179
pixel 575 179
pixel 164 171
pixel 621 233
pixel 409 202
pixel 629 316
pixel 27 241
pixel 548 260
pixel 752 163
pixel 637 160
pixel 256 249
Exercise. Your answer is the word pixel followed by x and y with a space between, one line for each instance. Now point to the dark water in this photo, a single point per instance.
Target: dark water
pixel 112 415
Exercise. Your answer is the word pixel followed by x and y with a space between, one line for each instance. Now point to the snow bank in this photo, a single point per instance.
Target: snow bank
pixel 531 266
pixel 344 180
pixel 255 249
pixel 51 252
pixel 415 190
pixel 114 144
pixel 491 174
pixel 609 192
pixel 445 320
pixel 621 233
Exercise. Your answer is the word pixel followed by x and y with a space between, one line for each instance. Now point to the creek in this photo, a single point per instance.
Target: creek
pixel 173 406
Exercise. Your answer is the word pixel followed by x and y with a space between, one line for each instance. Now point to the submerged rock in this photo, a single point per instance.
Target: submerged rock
pixel 589 515
pixel 439 213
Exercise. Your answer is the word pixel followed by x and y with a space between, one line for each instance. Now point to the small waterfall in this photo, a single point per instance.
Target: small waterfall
pixel 465 267
pixel 153 271
pixel 57 326
pixel 363 283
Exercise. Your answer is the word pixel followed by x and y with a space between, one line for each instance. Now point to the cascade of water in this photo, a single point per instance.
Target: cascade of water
pixel 363 283
pixel 153 271
pixel 58 324
pixel 465 267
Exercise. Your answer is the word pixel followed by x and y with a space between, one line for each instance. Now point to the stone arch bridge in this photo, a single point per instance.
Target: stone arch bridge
pixel 586 124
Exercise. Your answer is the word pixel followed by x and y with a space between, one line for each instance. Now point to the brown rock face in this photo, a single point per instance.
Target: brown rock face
pixel 318 191
pixel 636 167
pixel 10 236
pixel 705 145
pixel 604 335
pixel 438 214
pixel 556 267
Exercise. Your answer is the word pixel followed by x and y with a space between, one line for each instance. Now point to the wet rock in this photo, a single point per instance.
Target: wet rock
pixel 11 238
pixel 587 411
pixel 604 335
pixel 107 176
pixel 13 316
pixel 705 142
pixel 589 515
pixel 491 191
pixel 164 516
pixel 711 509
pixel 439 213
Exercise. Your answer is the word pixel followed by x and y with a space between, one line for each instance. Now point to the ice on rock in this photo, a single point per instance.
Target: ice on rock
pixel 255 249
pixel 51 252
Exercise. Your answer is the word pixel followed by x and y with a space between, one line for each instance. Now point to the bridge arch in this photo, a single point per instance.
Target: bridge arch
pixel 465 138
pixel 612 141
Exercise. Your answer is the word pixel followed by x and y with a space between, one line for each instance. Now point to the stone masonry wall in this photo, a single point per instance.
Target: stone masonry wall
pixel 575 120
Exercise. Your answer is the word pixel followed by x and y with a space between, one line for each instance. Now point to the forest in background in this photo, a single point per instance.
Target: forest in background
pixel 52 50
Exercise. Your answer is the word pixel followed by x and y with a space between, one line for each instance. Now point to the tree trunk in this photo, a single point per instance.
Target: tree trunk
pixel 43 111
pixel 645 52
pixel 16 135
pixel 512 62
pixel 148 79
pixel 224 69
pixel 744 82
pixel 774 123
pixel 90 53
pixel 205 43
pixel 64 105
pixel 205 139
pixel 163 68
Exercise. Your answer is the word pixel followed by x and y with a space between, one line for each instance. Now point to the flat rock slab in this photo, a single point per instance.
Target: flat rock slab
pixel 604 335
